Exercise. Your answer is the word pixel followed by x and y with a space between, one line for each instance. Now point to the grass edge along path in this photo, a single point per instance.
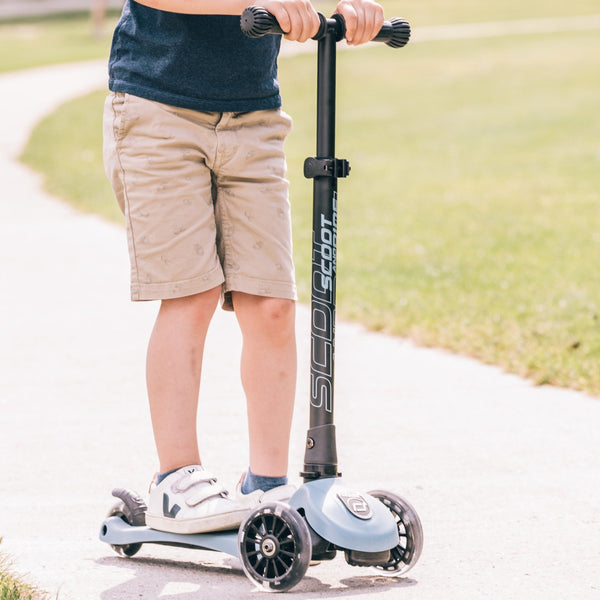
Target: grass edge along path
pixel 14 587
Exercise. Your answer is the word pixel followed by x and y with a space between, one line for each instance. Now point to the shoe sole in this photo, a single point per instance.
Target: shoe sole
pixel 220 522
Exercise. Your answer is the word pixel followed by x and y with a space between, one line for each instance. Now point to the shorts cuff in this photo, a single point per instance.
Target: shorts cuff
pixel 176 289
pixel 257 287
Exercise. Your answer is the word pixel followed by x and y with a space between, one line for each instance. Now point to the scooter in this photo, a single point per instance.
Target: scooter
pixel 277 541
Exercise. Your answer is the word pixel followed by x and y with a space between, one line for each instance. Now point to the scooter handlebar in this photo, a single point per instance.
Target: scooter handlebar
pixel 257 21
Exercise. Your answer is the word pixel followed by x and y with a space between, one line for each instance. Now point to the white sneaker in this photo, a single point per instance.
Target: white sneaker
pixel 191 501
pixel 280 493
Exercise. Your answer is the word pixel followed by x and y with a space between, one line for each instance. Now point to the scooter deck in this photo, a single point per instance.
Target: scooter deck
pixel 347 518
pixel 117 532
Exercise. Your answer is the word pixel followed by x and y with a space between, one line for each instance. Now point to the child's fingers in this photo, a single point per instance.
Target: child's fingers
pixel 278 10
pixel 304 21
pixel 350 18
pixel 297 18
pixel 373 22
pixel 364 19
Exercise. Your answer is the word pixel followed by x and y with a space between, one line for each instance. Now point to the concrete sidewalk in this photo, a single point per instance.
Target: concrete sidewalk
pixel 505 475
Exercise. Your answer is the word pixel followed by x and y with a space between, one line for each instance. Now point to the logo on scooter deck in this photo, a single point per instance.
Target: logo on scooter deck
pixel 356 503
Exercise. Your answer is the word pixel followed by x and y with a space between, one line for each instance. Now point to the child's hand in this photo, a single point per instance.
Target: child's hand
pixel 364 19
pixel 297 18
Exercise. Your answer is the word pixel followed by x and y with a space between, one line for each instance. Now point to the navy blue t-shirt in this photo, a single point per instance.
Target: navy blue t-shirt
pixel 202 62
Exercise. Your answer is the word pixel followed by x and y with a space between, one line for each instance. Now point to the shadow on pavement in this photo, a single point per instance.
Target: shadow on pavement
pixel 153 578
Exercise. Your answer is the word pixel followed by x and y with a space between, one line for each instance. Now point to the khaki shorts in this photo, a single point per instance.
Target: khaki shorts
pixel 204 196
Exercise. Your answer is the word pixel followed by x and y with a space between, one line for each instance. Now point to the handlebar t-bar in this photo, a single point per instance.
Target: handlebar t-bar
pixel 256 22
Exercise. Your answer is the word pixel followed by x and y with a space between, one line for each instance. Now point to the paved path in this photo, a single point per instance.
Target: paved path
pixel 505 475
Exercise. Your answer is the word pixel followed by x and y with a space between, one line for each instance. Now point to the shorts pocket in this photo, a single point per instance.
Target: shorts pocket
pixel 118 103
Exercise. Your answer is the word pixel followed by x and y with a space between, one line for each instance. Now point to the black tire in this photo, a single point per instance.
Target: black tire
pixel 275 547
pixel 120 510
pixel 406 554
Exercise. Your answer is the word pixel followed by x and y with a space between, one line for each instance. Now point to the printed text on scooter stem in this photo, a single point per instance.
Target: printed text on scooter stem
pixel 323 311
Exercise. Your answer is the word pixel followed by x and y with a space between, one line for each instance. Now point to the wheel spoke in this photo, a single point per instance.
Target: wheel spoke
pixel 271 570
pixel 260 567
pixel 257 535
pixel 284 566
pixel 265 528
pixel 279 529
pixel 397 556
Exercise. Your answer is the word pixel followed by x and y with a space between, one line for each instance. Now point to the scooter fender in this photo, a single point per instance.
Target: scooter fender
pixel 349 519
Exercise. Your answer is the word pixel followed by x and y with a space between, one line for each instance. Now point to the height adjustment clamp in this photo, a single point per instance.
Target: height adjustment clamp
pixel 326 167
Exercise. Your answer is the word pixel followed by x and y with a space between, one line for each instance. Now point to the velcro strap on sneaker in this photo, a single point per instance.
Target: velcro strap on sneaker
pixel 205 493
pixel 192 479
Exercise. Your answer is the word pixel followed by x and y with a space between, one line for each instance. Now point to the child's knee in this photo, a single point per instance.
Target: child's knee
pixel 277 312
pixel 274 318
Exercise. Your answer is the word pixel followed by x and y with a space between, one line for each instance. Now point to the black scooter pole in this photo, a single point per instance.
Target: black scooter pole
pixel 320 459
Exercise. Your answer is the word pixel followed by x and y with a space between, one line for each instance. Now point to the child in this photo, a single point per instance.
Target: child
pixel 193 148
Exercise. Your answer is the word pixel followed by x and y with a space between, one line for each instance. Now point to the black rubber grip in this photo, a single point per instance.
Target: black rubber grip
pixel 395 33
pixel 257 21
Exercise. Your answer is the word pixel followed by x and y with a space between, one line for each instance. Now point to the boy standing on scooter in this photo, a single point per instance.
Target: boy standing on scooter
pixel 193 148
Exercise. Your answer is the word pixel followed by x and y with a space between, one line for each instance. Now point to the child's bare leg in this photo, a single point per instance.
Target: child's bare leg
pixel 173 368
pixel 268 371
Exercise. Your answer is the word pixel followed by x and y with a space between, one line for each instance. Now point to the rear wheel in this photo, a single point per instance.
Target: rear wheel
pixel 275 547
pixel 406 554
pixel 120 510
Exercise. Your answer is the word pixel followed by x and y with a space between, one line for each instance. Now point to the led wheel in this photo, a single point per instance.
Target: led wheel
pixel 275 547
pixel 406 554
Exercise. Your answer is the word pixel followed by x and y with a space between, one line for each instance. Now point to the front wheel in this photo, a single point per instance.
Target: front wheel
pixel 275 546
pixel 406 554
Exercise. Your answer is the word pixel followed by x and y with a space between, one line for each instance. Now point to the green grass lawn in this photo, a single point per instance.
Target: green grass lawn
pixel 440 12
pixel 469 220
pixel 37 42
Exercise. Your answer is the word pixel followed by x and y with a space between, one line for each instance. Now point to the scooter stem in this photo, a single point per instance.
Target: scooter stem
pixel 320 458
